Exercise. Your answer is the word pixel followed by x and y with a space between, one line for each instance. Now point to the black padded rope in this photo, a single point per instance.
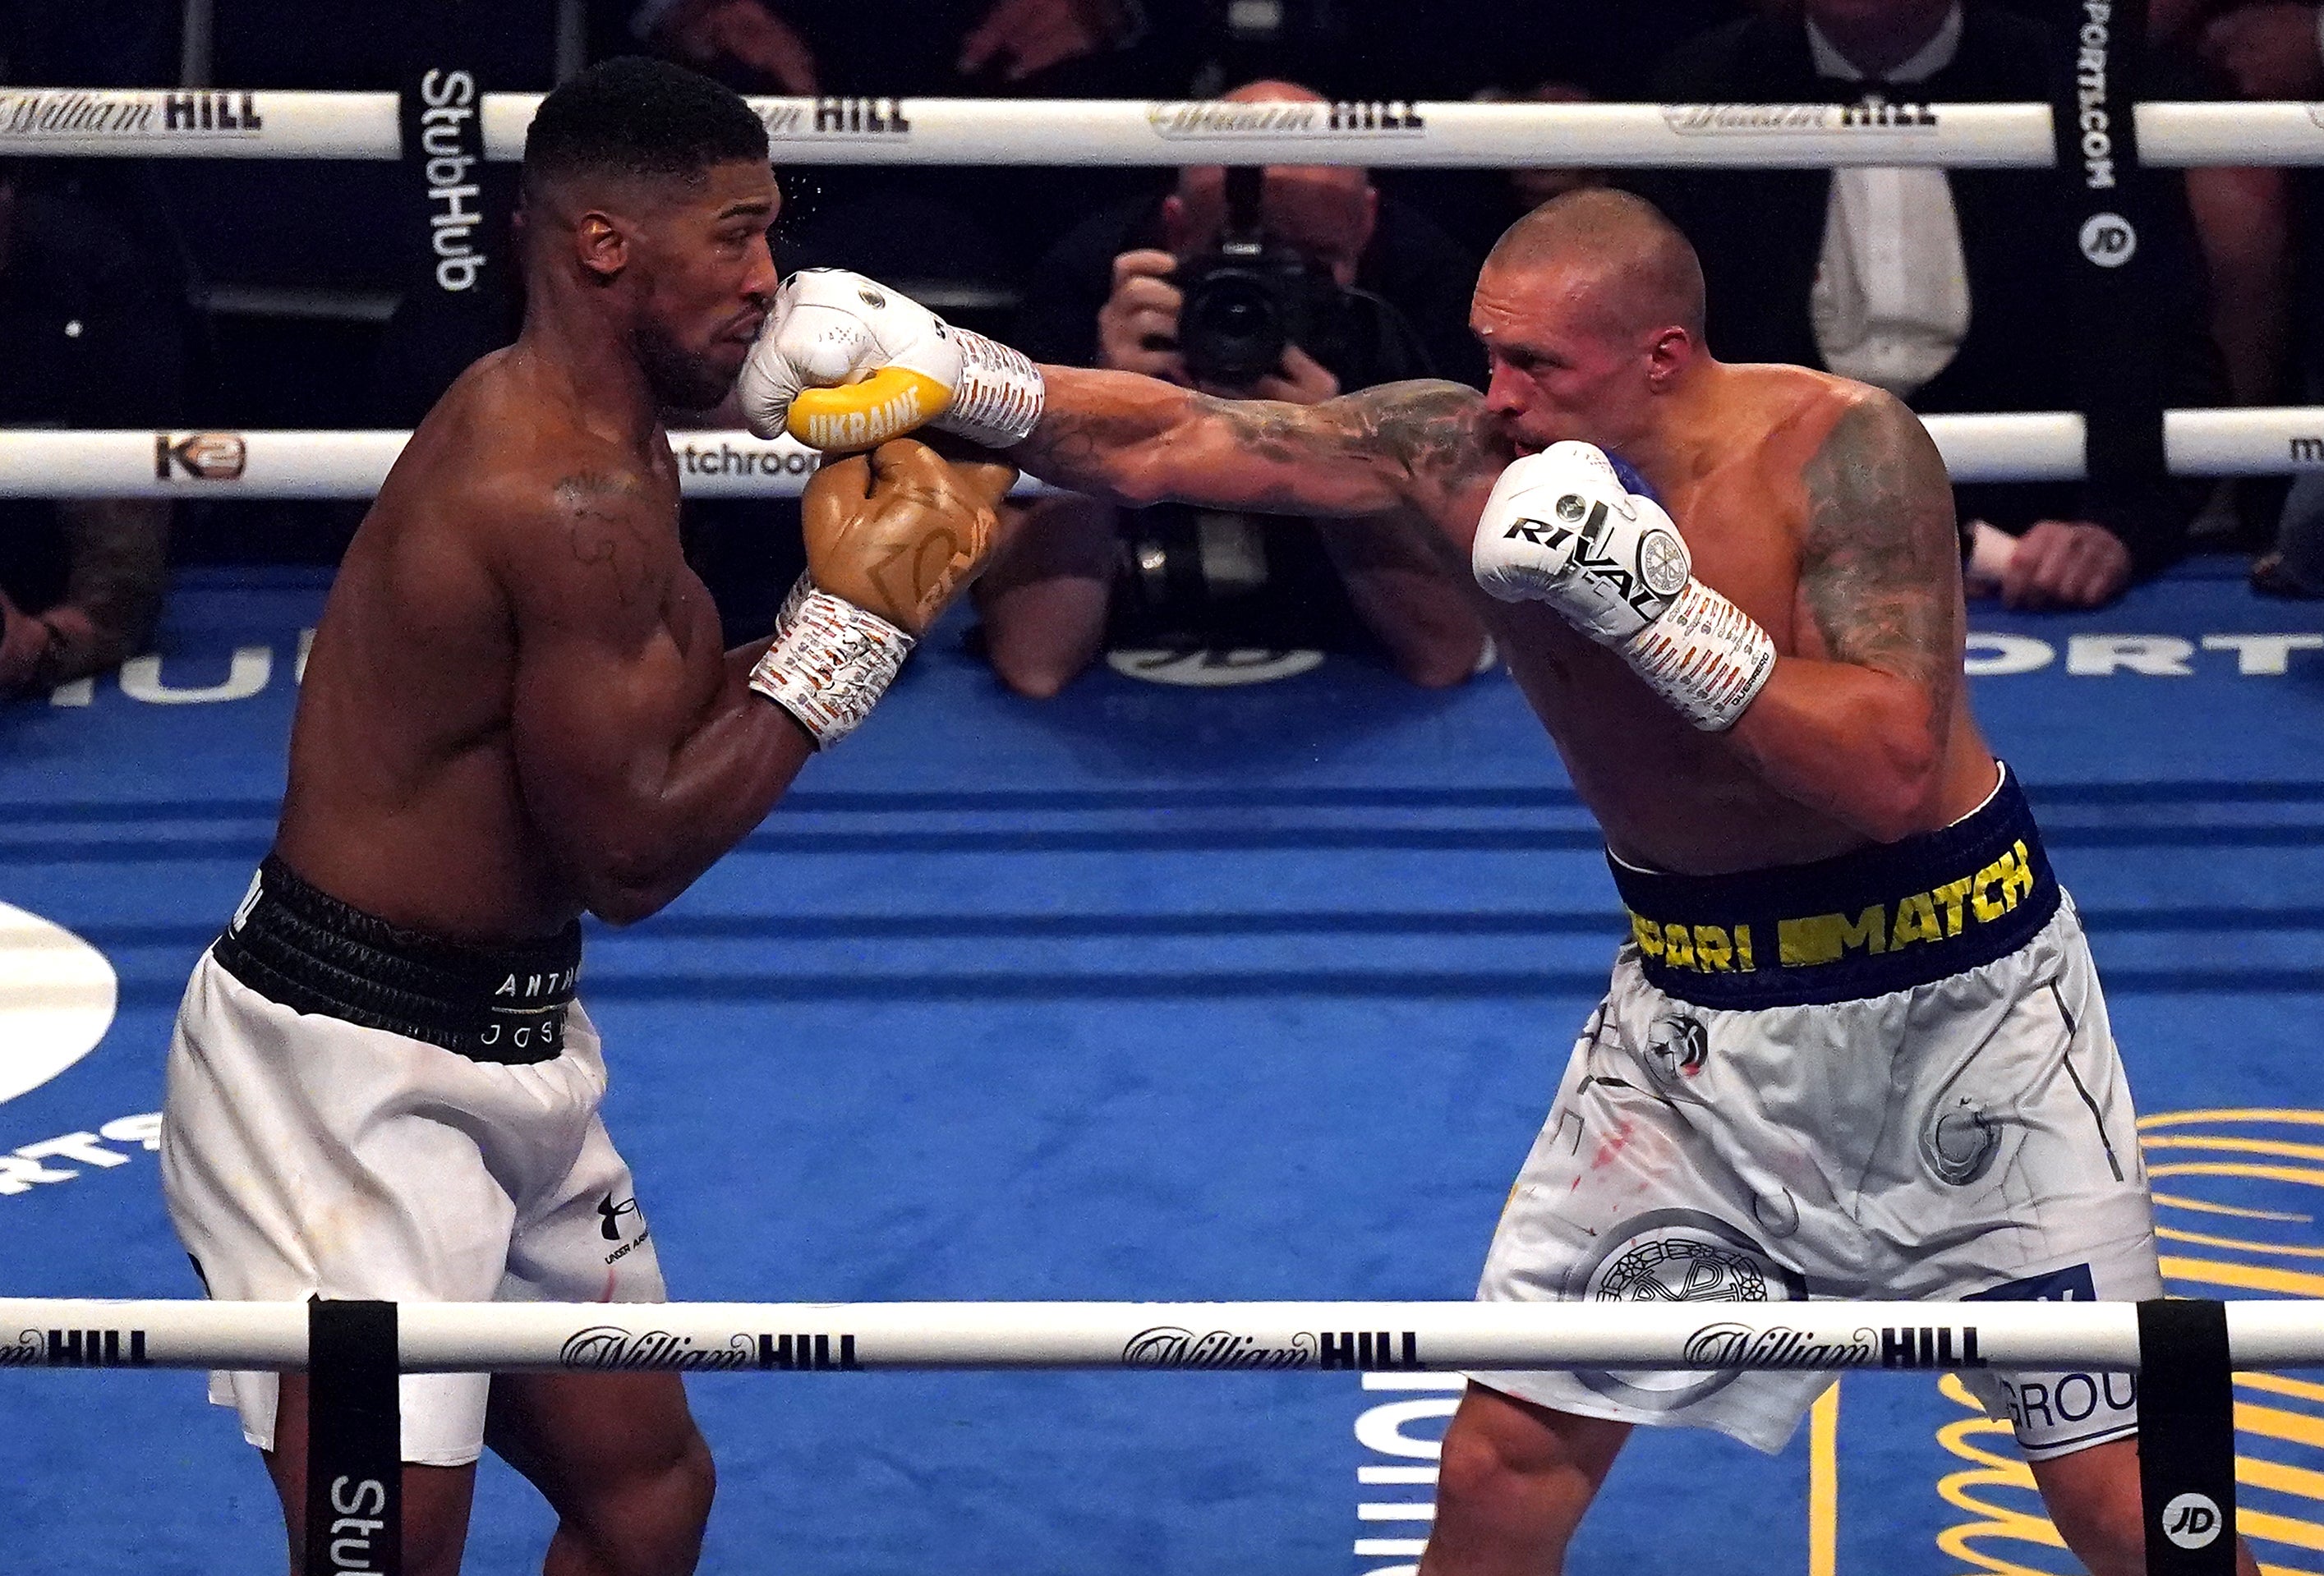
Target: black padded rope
pixel 354 1470
pixel 2120 342
pixel 2186 1438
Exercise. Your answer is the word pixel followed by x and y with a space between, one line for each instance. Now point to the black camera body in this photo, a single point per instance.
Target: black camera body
pixel 1249 296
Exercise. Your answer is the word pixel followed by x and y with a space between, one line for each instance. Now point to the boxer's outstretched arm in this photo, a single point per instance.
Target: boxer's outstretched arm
pixel 1138 440
pixel 642 761
pixel 1862 736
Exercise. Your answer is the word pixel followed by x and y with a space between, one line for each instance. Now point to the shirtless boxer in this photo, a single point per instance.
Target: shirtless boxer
pixel 517 710
pixel 1854 1046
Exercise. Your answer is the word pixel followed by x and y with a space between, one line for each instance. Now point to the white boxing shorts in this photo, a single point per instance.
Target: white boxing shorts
pixel 1887 1076
pixel 322 1136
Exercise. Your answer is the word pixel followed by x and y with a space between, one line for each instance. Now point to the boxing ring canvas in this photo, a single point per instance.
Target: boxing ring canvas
pixel 1157 993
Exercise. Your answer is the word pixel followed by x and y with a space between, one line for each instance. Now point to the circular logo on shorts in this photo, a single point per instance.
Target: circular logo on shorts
pixel 1207 670
pixel 2108 240
pixel 1676 1048
pixel 1676 1256
pixel 1663 561
pixel 872 297
pixel 56 998
pixel 2192 1521
pixel 1571 508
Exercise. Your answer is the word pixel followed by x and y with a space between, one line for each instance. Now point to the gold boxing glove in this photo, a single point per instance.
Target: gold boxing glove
pixel 891 538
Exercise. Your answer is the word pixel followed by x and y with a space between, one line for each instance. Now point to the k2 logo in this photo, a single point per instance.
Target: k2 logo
pixel 205 457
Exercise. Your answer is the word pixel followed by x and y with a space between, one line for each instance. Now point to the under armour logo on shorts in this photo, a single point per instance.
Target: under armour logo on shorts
pixel 613 1213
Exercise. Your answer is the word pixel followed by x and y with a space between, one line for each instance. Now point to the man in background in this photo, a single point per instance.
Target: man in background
pixel 88 340
pixel 1934 284
pixel 1362 290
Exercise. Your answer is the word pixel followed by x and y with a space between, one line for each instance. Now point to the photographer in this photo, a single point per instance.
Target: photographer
pixel 1295 285
pixel 88 337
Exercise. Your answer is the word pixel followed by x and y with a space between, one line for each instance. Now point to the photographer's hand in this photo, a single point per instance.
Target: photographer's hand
pixel 1138 326
pixel 1301 380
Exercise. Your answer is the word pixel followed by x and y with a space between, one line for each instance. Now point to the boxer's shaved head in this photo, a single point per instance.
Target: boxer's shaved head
pixel 1619 249
pixel 1589 308
pixel 647 198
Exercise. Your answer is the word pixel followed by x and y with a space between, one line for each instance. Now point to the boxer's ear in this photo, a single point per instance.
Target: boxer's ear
pixel 601 246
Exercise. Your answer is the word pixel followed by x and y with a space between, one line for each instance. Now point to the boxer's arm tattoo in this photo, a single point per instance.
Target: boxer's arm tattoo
pixel 1880 567
pixel 1380 446
pixel 609 527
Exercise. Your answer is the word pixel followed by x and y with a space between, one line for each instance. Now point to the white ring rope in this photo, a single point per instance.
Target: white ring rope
pixel 165 123
pixel 470 1337
pixel 36 463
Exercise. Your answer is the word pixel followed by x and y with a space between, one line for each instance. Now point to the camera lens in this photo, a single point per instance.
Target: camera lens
pixel 1231 328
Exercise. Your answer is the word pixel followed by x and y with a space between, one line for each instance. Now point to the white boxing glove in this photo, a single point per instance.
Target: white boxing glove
pixel 844 362
pixel 1561 528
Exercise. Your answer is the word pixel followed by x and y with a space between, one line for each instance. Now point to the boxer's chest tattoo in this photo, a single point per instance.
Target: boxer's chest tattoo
pixel 613 527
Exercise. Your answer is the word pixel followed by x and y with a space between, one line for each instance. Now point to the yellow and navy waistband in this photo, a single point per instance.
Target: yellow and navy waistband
pixel 1887 918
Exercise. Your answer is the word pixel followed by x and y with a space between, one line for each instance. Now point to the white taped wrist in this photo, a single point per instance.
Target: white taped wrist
pixel 1705 656
pixel 788 614
pixel 1000 394
pixel 830 663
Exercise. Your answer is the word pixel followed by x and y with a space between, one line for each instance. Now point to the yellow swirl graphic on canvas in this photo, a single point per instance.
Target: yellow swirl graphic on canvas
pixel 2236 1197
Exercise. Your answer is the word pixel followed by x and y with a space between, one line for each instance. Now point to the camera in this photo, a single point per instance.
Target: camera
pixel 1249 296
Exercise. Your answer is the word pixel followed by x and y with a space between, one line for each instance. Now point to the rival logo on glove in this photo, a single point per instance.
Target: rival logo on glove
pixel 1662 562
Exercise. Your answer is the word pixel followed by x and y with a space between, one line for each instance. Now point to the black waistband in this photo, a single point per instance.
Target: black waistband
pixel 1883 918
pixel 307 949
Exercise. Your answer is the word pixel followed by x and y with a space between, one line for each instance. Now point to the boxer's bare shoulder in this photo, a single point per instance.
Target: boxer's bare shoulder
pixel 1879 583
pixel 542 502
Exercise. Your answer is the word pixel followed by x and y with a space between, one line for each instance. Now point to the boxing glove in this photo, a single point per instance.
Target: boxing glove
pixel 1562 528
pixel 844 363
pixel 891 538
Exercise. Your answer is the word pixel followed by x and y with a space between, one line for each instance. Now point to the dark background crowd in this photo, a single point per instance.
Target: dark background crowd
pixel 233 294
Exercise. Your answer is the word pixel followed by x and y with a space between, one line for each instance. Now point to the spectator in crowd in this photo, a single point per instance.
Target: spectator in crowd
pixel 2274 49
pixel 1931 284
pixel 90 43
pixel 88 340
pixel 1363 292
pixel 873 48
pixel 961 237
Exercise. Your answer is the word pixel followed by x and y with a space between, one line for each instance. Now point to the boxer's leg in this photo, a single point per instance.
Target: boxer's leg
pixel 2092 1496
pixel 1044 601
pixel 619 1459
pixel 435 1500
pixel 1512 1484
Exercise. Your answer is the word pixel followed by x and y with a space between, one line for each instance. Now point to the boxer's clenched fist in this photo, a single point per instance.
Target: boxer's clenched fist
pixel 845 363
pixel 891 538
pixel 1562 528
pixel 899 531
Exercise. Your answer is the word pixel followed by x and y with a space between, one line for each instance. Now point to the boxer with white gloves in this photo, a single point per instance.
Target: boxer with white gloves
pixel 1853 1044
pixel 844 362
pixel 1562 528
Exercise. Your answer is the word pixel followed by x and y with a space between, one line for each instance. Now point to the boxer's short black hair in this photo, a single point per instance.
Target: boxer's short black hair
pixel 633 116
